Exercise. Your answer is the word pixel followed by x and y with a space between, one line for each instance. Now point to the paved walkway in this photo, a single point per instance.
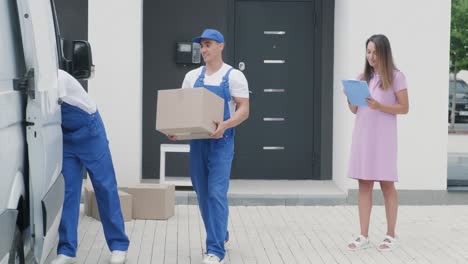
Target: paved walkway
pixel 290 234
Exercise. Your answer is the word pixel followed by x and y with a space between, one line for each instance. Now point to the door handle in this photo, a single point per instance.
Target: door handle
pixel 241 66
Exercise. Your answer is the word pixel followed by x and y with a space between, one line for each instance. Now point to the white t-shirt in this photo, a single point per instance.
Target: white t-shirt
pixel 238 86
pixel 71 92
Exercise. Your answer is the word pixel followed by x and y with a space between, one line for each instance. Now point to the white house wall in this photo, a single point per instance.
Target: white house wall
pixel 115 33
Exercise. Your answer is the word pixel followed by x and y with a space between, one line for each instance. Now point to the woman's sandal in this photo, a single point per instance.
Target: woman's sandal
pixel 388 244
pixel 361 242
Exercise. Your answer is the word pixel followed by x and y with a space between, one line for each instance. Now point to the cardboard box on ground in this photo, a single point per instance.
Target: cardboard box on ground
pixel 145 201
pixel 153 201
pixel 91 208
pixel 188 113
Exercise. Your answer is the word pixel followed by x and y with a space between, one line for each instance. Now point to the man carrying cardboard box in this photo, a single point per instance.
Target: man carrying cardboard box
pixel 210 159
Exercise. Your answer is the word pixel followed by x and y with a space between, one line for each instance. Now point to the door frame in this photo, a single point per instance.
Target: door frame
pixel 323 32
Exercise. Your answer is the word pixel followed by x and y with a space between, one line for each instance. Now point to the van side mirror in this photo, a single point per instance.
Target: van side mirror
pixel 82 61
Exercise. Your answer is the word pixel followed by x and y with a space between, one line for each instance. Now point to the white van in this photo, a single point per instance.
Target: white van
pixel 32 186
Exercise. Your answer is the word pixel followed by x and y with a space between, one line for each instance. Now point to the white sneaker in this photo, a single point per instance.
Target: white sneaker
pixel 118 257
pixel 63 259
pixel 212 259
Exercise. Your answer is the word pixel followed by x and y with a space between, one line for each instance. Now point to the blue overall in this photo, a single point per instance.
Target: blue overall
pixel 85 145
pixel 210 169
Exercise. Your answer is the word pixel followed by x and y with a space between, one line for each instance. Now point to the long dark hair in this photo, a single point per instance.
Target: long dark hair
pixel 385 61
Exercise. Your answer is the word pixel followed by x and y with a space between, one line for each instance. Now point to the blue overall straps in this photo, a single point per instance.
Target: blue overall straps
pixel 210 169
pixel 85 144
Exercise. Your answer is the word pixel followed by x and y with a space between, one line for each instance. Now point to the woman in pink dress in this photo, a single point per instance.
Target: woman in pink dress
pixel 374 143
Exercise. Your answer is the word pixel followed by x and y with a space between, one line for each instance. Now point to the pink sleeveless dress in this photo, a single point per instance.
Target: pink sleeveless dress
pixel 374 143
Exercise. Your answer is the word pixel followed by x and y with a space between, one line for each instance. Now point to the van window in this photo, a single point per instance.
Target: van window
pixel 58 37
pixel 462 87
pixel 11 47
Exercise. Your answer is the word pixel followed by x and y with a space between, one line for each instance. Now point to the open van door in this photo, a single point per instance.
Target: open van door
pixel 12 137
pixel 43 132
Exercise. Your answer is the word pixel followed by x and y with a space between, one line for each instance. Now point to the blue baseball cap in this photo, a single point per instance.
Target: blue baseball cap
pixel 210 34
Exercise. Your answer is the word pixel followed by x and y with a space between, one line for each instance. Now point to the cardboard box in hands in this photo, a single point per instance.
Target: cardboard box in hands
pixel 188 113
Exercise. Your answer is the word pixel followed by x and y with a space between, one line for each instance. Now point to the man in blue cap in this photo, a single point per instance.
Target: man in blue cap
pixel 210 159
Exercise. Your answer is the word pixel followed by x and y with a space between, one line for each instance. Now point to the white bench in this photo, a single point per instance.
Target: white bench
pixel 162 163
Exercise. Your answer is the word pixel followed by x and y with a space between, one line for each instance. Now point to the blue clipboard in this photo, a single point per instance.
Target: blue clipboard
pixel 357 91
